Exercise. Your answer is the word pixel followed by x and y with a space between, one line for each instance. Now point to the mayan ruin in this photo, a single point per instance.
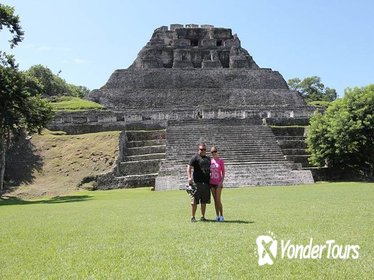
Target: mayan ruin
pixel 192 84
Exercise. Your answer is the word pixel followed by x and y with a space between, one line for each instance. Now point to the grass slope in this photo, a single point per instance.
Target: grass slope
pixel 57 163
pixel 139 234
pixel 68 103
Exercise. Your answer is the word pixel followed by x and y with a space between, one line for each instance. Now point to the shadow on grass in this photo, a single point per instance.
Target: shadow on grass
pixel 230 222
pixel 238 222
pixel 11 200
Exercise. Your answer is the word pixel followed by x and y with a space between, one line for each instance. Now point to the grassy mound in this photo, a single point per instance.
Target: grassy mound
pixel 139 234
pixel 54 164
pixel 68 103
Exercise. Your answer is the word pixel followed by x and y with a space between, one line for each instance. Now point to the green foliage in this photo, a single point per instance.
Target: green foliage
pixel 139 234
pixel 11 21
pixel 53 85
pixel 343 137
pixel 320 103
pixel 77 91
pixel 21 106
pixel 312 89
pixel 68 103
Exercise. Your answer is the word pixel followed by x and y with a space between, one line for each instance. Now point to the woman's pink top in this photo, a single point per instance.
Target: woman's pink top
pixel 217 169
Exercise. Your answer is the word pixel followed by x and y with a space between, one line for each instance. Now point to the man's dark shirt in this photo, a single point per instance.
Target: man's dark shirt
pixel 201 168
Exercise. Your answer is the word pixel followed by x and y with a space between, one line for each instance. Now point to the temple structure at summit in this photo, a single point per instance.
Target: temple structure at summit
pixel 185 71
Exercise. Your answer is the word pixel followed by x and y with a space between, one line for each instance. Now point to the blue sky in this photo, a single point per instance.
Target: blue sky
pixel 88 39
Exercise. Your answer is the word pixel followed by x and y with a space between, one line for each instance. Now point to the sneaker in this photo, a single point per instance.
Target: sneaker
pixel 202 219
pixel 217 218
pixel 193 220
pixel 221 219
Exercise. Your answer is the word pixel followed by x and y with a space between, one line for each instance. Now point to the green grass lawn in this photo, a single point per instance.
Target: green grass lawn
pixel 69 103
pixel 139 234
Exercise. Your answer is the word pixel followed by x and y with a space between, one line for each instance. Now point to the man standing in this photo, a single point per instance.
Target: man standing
pixel 200 163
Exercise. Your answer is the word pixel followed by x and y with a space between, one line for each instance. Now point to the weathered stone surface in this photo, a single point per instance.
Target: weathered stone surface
pixel 190 45
pixel 190 81
pixel 250 150
pixel 187 66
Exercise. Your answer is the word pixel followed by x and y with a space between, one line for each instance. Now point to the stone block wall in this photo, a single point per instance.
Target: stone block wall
pixel 107 120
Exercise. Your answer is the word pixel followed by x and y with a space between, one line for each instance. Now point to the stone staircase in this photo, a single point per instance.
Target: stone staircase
pixel 142 152
pixel 250 151
pixel 291 140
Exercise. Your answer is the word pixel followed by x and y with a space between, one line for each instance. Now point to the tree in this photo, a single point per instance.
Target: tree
pixel 53 85
pixel 21 107
pixel 12 23
pixel 50 84
pixel 343 137
pixel 312 89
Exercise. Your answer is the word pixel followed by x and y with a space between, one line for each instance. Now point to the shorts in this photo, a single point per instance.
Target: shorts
pixel 202 194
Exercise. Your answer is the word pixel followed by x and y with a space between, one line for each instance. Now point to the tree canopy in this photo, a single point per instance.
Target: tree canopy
pixel 11 21
pixel 343 137
pixel 312 89
pixel 53 85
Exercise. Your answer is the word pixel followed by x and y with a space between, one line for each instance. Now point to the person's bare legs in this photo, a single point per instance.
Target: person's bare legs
pixel 214 194
pixel 218 201
pixel 203 208
pixel 193 209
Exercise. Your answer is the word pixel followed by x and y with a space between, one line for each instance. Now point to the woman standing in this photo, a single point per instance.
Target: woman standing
pixel 217 175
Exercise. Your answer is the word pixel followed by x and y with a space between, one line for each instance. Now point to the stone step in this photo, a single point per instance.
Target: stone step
pixel 234 159
pixel 218 135
pixel 243 177
pixel 193 133
pixel 280 138
pixel 233 141
pixel 142 143
pixel 236 167
pixel 225 149
pixel 288 130
pixel 138 135
pixel 296 152
pixel 238 161
pixel 224 153
pixel 113 182
pixel 297 121
pixel 243 129
pixel 303 159
pixel 137 167
pixel 145 150
pixel 145 157
pixel 145 126
pixel 255 120
pixel 289 178
pixel 290 144
pixel 229 155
